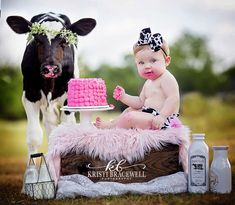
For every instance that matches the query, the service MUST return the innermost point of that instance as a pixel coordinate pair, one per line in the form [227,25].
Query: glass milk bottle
[198,159]
[30,176]
[43,174]
[220,173]
[47,186]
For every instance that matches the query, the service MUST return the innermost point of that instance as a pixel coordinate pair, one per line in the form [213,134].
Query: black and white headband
[155,41]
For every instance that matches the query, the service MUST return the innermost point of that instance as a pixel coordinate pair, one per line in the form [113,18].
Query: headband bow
[155,41]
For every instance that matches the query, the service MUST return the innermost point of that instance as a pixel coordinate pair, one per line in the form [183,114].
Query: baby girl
[157,106]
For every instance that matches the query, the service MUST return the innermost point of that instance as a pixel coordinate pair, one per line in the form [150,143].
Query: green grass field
[211,116]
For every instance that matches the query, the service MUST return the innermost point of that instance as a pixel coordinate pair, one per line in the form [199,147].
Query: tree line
[192,64]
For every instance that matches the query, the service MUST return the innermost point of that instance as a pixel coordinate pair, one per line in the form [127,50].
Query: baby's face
[151,65]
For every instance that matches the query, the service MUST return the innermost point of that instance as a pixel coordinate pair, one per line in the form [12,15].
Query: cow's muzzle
[51,71]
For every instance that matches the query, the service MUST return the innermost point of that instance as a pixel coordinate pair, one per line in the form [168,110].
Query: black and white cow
[48,64]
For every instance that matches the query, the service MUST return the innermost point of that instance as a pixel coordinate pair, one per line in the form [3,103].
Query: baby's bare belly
[156,103]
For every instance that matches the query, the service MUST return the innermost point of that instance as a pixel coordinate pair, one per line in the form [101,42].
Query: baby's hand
[118,92]
[158,122]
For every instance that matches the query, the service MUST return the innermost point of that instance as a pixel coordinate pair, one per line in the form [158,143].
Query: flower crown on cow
[37,28]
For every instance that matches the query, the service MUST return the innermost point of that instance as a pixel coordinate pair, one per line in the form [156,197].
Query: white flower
[37,28]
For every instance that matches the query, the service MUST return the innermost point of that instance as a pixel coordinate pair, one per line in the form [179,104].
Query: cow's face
[51,46]
[50,53]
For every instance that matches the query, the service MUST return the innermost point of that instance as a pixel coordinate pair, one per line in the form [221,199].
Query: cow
[47,66]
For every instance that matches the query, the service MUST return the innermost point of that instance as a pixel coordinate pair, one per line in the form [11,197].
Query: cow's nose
[49,69]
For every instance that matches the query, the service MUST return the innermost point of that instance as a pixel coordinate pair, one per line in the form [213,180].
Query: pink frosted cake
[83,92]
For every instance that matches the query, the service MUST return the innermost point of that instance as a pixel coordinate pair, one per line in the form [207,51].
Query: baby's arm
[170,88]
[135,102]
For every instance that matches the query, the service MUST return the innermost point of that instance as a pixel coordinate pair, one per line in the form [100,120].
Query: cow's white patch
[53,15]
[51,112]
[76,68]
[66,117]
[52,25]
[34,130]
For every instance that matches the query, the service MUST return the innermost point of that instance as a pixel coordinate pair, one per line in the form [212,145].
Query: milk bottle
[220,172]
[198,160]
[45,180]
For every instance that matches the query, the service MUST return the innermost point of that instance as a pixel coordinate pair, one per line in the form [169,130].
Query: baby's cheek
[142,75]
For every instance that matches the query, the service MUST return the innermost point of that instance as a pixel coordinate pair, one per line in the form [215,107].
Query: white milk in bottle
[45,179]
[198,159]
[220,172]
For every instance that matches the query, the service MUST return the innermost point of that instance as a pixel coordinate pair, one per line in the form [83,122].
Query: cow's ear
[83,26]
[18,24]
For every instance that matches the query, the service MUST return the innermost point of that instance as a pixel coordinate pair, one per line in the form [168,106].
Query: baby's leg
[135,119]
[99,123]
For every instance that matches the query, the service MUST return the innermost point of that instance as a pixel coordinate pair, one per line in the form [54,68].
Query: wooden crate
[158,163]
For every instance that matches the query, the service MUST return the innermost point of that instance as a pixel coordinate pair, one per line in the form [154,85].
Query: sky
[119,23]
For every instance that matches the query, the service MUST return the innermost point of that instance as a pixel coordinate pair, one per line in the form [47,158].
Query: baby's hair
[137,48]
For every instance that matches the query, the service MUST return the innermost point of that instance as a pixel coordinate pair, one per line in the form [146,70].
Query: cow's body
[47,66]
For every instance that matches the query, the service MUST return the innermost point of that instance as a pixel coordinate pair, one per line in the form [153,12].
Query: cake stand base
[86,113]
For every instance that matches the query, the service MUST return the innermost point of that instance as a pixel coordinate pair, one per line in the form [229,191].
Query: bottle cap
[221,147]
[198,136]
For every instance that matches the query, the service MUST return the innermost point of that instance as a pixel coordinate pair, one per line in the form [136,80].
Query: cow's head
[51,43]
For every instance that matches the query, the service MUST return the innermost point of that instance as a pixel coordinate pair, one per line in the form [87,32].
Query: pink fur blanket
[109,144]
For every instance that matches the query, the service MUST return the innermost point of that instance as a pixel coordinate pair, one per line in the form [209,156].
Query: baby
[157,106]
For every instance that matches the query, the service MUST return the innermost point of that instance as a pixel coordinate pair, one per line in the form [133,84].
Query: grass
[211,116]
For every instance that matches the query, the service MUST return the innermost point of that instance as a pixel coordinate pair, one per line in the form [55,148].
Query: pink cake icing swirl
[87,92]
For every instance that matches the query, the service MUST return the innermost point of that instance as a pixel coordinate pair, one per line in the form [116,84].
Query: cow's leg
[34,130]
[66,116]
[50,113]
[50,119]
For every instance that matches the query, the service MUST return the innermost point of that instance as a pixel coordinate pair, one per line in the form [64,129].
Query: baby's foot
[99,123]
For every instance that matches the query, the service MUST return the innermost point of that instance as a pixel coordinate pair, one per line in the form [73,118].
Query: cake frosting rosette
[87,92]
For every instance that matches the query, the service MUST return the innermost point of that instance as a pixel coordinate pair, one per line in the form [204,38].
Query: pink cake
[86,92]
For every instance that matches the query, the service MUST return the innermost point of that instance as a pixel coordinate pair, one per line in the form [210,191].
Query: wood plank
[158,163]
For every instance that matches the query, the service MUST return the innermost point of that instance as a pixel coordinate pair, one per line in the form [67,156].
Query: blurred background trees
[192,64]
[11,92]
